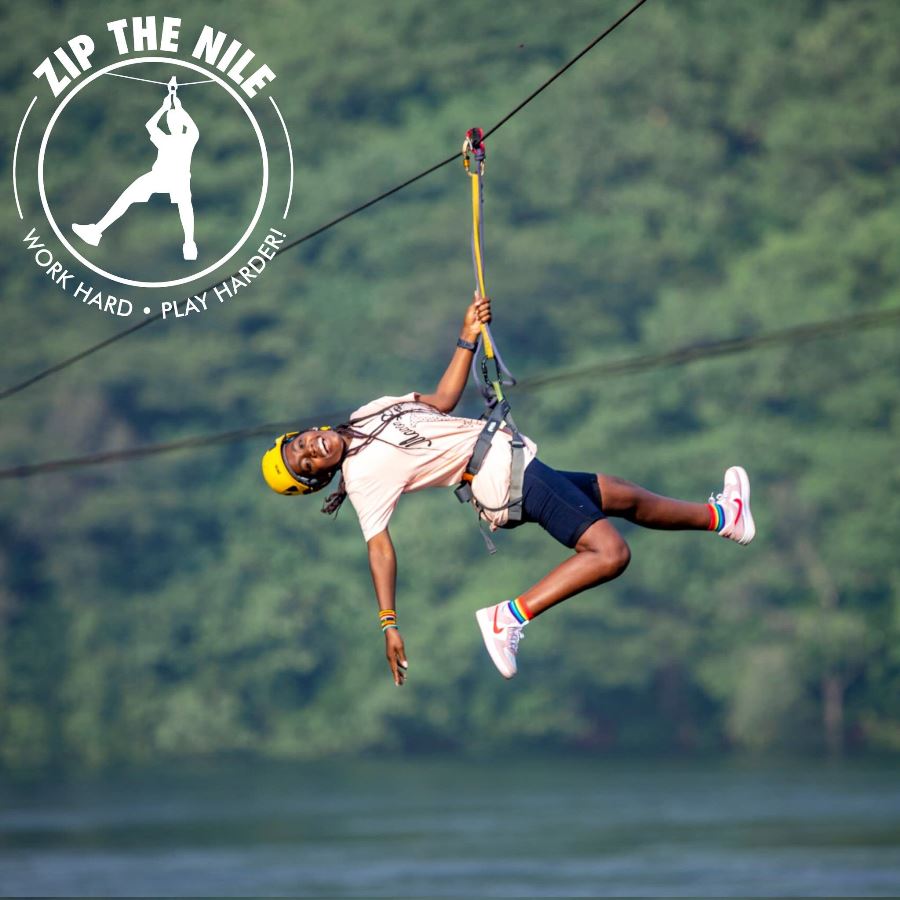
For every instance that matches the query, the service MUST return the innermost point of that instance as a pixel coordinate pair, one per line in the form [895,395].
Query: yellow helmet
[278,474]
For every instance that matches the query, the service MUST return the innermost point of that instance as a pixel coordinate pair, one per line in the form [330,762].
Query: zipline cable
[565,68]
[797,334]
[192,443]
[163,83]
[64,364]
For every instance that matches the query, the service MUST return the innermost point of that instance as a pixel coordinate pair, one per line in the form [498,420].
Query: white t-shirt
[421,448]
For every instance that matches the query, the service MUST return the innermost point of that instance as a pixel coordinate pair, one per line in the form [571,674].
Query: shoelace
[716,498]
[516,633]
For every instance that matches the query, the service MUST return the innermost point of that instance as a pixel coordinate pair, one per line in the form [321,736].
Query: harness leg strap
[516,477]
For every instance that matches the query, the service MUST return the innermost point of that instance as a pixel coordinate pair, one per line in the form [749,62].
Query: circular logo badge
[159,125]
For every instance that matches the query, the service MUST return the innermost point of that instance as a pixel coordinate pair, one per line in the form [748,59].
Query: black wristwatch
[467,345]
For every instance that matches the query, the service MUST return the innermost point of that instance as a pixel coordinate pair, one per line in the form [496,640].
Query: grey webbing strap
[500,415]
[516,477]
[482,445]
[488,542]
[516,472]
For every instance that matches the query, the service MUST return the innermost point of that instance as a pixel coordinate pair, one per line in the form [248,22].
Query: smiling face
[314,453]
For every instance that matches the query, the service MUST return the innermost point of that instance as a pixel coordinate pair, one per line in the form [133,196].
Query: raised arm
[190,127]
[152,124]
[383,566]
[453,381]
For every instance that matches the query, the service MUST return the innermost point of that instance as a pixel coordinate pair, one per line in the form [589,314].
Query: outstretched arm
[383,566]
[453,382]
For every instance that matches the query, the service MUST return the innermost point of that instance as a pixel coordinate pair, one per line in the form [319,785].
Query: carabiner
[473,145]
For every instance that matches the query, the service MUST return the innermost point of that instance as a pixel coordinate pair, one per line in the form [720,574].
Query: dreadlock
[347,429]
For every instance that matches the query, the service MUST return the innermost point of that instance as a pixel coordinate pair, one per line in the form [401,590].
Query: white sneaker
[502,632]
[90,234]
[189,250]
[735,501]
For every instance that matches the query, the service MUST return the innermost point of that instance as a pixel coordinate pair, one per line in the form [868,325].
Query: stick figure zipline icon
[170,174]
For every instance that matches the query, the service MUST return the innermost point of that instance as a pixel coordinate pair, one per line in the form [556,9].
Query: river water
[395,827]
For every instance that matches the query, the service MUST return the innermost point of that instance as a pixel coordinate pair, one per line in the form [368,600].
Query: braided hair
[347,429]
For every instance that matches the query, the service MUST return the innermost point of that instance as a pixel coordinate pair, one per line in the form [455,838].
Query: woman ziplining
[398,445]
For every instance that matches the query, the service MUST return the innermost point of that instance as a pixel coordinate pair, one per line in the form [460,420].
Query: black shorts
[565,504]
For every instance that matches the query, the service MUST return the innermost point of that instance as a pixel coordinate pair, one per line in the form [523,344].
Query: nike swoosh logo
[740,505]
[496,629]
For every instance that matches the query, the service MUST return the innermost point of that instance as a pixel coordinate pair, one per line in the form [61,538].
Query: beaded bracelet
[388,618]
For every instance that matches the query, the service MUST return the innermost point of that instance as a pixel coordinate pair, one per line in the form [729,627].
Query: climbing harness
[494,374]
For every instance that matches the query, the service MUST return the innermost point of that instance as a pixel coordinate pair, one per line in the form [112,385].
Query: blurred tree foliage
[712,169]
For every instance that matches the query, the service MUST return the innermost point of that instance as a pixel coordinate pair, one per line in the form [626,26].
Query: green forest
[713,169]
